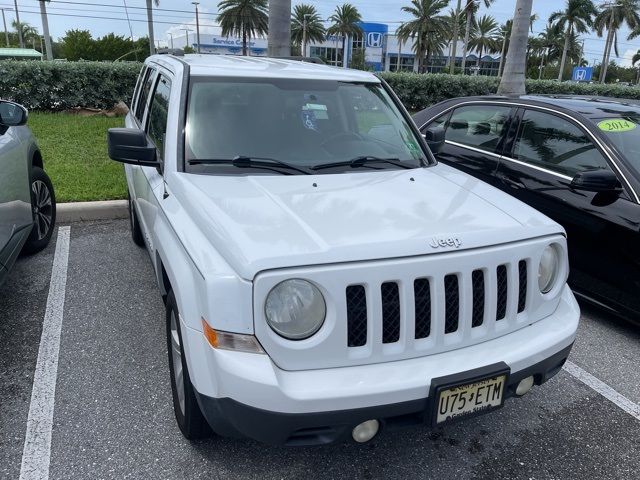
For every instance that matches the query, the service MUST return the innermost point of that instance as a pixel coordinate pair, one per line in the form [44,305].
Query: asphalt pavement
[113,416]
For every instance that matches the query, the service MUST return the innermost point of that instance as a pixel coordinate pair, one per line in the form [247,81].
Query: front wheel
[43,204]
[190,420]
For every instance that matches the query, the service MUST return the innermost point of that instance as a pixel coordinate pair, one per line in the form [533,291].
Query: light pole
[304,34]
[45,29]
[197,26]
[171,39]
[186,31]
[4,22]
[20,39]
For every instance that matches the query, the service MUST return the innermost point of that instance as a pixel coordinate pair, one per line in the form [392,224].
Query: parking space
[113,415]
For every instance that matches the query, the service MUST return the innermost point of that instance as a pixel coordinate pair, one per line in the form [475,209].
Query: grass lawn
[74,150]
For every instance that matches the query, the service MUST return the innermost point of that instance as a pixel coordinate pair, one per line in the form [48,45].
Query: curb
[86,211]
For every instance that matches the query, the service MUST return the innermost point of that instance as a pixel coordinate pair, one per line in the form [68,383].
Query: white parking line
[37,442]
[603,389]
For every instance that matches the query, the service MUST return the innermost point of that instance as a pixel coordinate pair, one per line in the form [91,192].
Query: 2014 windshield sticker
[616,125]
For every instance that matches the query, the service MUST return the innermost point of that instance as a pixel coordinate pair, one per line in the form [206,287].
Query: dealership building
[382,51]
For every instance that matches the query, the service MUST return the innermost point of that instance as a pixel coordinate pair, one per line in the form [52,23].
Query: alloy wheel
[42,208]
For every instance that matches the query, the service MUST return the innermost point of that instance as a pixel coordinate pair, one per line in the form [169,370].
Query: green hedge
[420,91]
[61,85]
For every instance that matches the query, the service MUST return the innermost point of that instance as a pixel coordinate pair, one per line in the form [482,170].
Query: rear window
[624,133]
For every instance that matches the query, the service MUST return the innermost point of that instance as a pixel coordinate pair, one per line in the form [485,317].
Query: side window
[144,94]
[554,143]
[479,126]
[158,112]
[136,90]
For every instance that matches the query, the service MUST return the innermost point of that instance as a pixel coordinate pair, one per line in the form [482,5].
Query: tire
[136,231]
[190,420]
[43,204]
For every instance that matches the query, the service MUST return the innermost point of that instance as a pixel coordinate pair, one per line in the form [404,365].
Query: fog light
[524,386]
[365,431]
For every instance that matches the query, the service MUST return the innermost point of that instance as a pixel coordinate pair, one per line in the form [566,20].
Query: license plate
[470,398]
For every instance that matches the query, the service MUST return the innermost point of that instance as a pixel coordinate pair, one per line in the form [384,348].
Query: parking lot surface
[113,416]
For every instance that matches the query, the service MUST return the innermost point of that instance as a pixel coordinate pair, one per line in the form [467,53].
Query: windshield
[311,124]
[624,132]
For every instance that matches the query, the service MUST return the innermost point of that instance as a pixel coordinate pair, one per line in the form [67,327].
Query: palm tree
[486,37]
[345,21]
[577,16]
[512,81]
[611,18]
[279,28]
[306,18]
[455,24]
[243,18]
[428,27]
[471,8]
[25,31]
[635,59]
[547,46]
[505,33]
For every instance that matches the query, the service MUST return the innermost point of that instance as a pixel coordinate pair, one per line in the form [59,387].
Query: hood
[262,222]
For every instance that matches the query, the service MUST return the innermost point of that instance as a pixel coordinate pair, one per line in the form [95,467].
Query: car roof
[266,67]
[591,107]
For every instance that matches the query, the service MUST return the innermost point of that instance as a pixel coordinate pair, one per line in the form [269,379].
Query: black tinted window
[158,113]
[144,94]
[479,126]
[557,144]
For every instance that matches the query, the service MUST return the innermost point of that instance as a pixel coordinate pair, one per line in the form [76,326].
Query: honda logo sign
[374,40]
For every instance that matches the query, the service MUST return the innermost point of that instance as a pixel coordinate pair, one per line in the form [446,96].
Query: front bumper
[231,418]
[246,394]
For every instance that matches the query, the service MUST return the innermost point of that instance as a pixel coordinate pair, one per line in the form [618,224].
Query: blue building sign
[373,43]
[582,74]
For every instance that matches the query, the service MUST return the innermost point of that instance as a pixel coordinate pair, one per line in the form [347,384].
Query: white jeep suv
[324,277]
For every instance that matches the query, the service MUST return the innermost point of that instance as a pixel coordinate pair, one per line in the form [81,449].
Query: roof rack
[300,58]
[177,52]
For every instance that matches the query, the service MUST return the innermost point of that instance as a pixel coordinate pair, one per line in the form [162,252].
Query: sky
[172,15]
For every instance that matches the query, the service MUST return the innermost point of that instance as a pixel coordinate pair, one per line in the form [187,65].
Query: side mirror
[435,139]
[603,180]
[12,114]
[130,145]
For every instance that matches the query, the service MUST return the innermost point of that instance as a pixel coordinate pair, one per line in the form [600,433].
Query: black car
[576,159]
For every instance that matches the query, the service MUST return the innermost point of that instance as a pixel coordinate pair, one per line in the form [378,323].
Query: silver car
[27,199]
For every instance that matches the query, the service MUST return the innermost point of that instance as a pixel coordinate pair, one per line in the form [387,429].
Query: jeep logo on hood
[441,242]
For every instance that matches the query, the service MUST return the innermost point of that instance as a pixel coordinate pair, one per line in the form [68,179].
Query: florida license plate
[470,398]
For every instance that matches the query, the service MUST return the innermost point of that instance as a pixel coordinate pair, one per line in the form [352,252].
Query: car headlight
[549,268]
[295,309]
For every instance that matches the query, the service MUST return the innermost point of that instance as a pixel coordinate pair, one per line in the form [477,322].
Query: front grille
[453,290]
[422,304]
[477,287]
[451,303]
[522,285]
[356,315]
[390,312]
[501,290]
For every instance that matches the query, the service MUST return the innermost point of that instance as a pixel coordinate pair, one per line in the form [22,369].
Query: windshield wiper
[361,161]
[243,161]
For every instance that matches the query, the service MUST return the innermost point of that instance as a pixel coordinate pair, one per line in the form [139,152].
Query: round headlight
[295,309]
[548,269]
